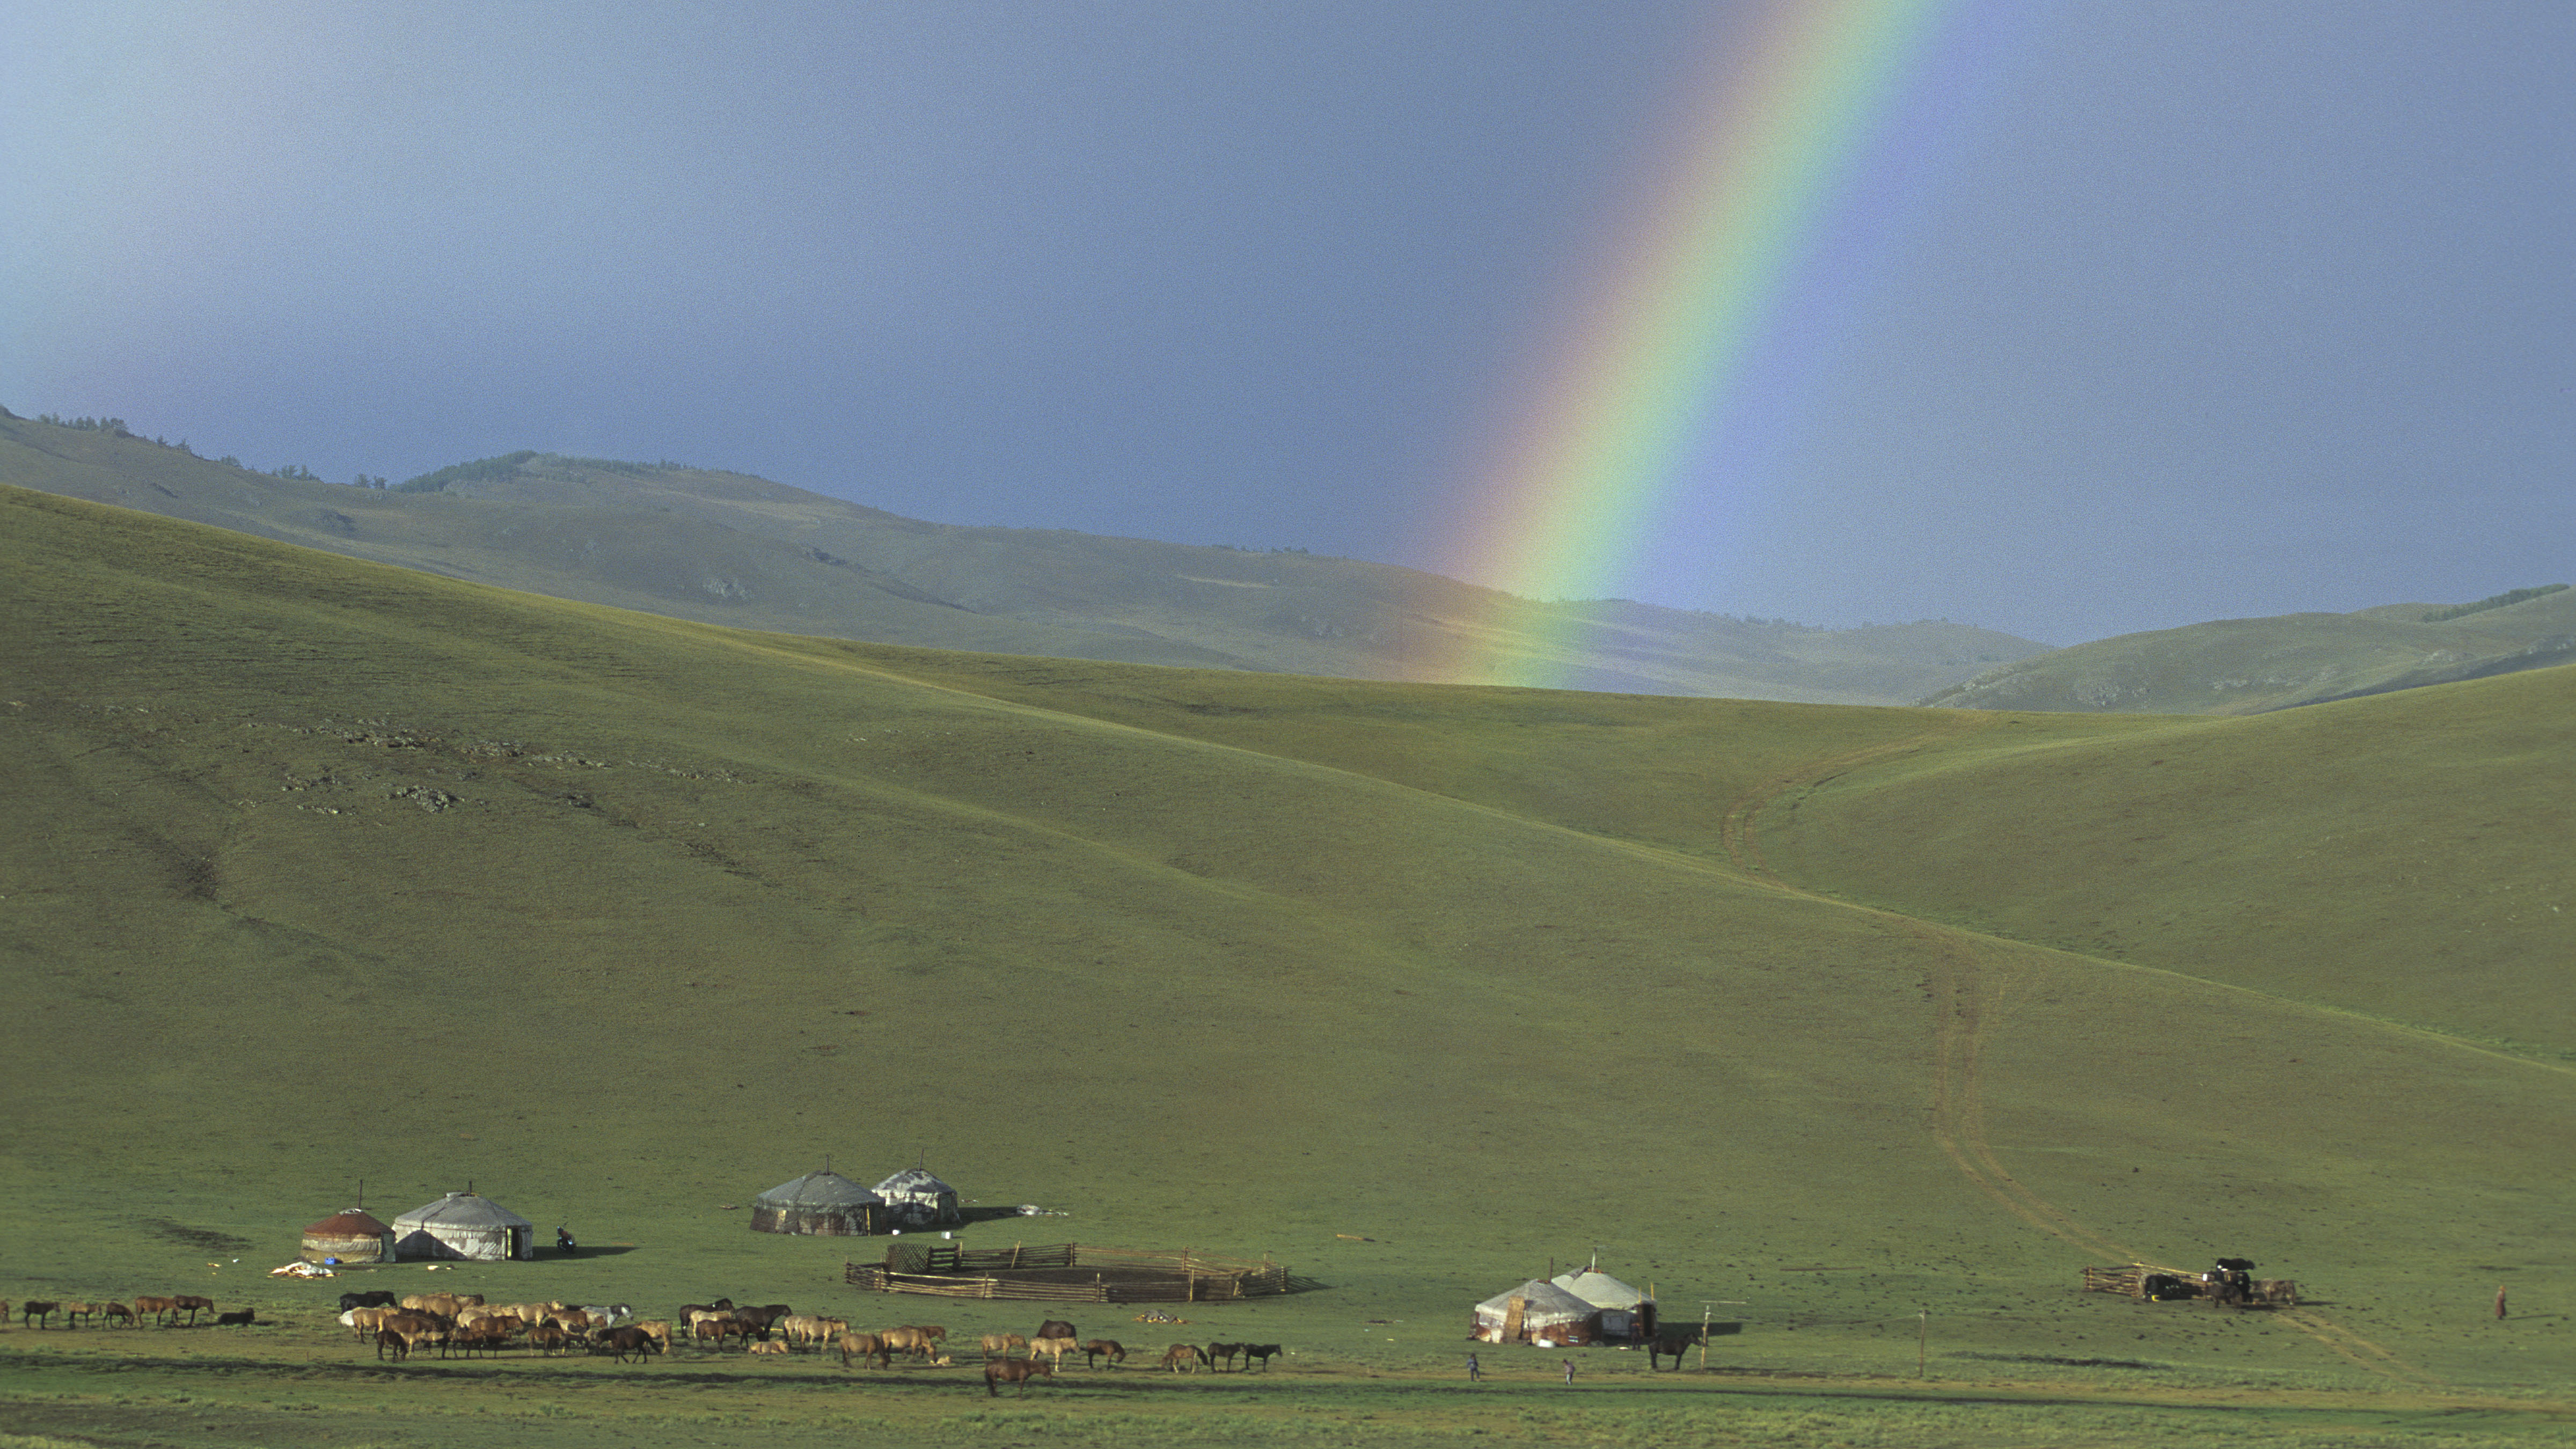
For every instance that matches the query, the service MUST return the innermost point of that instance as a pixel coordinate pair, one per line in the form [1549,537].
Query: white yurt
[919,1200]
[463,1225]
[1623,1309]
[1546,1315]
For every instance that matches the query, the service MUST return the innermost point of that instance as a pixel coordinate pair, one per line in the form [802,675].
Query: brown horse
[1014,1371]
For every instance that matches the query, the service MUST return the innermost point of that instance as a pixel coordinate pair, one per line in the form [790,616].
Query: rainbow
[1673,323]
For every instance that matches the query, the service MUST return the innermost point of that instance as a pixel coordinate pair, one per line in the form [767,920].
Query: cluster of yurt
[1585,1306]
[825,1203]
[459,1225]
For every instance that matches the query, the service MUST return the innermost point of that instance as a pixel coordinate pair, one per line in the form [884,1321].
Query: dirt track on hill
[1969,990]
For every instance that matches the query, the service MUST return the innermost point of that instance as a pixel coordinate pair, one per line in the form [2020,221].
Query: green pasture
[327,872]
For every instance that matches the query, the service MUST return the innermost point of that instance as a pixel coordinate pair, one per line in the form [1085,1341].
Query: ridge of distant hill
[320,870]
[2249,666]
[728,548]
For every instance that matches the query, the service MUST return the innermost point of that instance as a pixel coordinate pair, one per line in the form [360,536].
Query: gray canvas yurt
[1625,1313]
[462,1225]
[1536,1312]
[350,1237]
[918,1200]
[819,1202]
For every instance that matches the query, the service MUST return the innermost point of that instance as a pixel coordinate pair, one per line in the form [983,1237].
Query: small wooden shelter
[349,1237]
[464,1225]
[823,1203]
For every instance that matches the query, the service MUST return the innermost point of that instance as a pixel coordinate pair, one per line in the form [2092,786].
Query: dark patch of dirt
[204,1240]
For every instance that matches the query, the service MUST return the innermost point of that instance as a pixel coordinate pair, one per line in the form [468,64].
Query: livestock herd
[161,1310]
[463,1323]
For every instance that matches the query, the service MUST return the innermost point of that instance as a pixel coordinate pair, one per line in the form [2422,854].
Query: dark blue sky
[2173,311]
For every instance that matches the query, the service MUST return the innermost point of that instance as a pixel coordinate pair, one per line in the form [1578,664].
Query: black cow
[379,1298]
[242,1319]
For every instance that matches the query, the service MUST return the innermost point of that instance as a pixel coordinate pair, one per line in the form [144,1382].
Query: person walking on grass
[1475,1373]
[1569,1373]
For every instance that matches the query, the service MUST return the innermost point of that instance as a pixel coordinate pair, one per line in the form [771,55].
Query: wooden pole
[1703,1333]
[1923,1342]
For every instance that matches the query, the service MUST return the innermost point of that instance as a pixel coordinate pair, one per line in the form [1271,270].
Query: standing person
[2500,1300]
[1569,1371]
[1475,1373]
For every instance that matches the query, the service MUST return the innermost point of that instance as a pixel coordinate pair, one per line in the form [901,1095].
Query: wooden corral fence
[2131,1281]
[1068,1273]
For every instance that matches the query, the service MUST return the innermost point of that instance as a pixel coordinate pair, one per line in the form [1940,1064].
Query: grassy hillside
[328,871]
[2247,666]
[2402,856]
[730,549]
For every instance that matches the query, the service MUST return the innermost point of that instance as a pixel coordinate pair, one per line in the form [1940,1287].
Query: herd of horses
[455,1323]
[161,1310]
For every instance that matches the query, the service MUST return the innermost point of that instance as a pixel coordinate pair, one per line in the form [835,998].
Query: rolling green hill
[2247,666]
[729,549]
[322,870]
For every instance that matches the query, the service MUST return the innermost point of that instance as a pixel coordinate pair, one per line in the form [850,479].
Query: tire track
[1969,990]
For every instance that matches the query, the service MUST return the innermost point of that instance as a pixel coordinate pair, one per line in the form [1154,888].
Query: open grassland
[324,871]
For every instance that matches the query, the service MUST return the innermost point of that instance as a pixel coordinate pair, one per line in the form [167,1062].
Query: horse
[1672,1341]
[1014,1371]
[1100,1348]
[1262,1351]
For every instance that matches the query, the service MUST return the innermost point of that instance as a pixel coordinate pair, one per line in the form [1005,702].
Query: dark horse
[1672,1341]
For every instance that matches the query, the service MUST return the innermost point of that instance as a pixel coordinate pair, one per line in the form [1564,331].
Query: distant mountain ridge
[734,549]
[2250,666]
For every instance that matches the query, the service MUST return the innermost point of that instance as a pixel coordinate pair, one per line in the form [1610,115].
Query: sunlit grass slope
[2405,856]
[321,870]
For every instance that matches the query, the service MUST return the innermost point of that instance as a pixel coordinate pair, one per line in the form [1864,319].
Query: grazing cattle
[1183,1357]
[378,1298]
[73,1313]
[1013,1371]
[770,1346]
[242,1319]
[36,1311]
[1100,1348]
[112,1312]
[193,1304]
[1054,1328]
[1262,1351]
[157,1307]
[414,1328]
[392,1344]
[998,1344]
[1222,1353]
[2278,1292]
[864,1346]
[630,1339]
[2227,1289]
[1053,1348]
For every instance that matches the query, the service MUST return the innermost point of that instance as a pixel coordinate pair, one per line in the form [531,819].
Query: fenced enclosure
[1067,1273]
